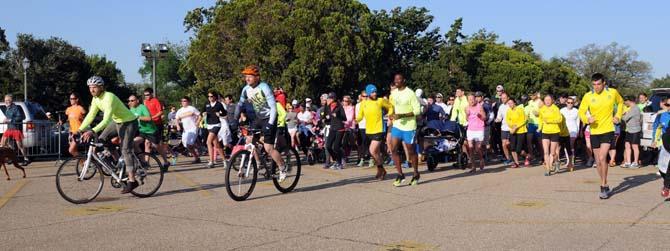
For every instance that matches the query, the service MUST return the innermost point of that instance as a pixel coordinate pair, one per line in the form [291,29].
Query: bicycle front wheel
[241,175]
[72,187]
[149,175]
[292,171]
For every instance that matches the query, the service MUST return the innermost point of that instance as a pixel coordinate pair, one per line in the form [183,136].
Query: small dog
[9,154]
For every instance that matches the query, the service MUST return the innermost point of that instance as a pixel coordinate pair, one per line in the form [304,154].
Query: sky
[116,29]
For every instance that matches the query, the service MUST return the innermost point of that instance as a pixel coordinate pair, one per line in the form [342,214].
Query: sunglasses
[210,96]
[667,104]
[73,98]
[132,100]
[184,101]
[570,103]
[364,96]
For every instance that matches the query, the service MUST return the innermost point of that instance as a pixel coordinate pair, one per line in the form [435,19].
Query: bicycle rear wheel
[293,169]
[74,189]
[148,173]
[241,175]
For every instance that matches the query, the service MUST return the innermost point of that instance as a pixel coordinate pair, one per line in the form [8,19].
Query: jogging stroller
[443,139]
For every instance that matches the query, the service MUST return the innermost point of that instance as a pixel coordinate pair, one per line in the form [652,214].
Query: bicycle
[77,175]
[242,171]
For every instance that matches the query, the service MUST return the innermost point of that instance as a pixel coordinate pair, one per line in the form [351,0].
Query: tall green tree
[307,47]
[663,82]
[620,64]
[173,76]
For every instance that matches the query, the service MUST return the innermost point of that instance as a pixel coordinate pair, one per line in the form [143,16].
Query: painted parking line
[189,182]
[10,194]
[566,222]
[93,210]
[529,204]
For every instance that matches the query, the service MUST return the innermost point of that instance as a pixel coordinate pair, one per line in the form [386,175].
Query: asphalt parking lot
[499,208]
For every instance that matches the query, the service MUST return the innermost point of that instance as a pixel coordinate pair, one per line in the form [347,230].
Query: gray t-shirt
[633,120]
[291,120]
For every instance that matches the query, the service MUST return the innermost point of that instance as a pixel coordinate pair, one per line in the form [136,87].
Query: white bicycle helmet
[95,80]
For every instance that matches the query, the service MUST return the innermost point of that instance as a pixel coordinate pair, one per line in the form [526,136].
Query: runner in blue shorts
[406,108]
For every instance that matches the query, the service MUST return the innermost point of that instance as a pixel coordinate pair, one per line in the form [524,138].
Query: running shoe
[165,166]
[360,163]
[589,163]
[515,165]
[336,166]
[625,165]
[210,165]
[634,166]
[604,193]
[371,163]
[557,167]
[196,161]
[665,192]
[130,186]
[405,164]
[547,173]
[414,181]
[399,180]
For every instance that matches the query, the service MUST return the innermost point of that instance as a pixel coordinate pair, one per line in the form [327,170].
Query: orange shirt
[75,115]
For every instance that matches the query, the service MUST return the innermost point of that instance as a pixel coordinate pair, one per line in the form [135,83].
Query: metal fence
[40,138]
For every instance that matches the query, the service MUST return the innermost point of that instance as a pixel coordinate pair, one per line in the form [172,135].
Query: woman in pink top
[348,141]
[475,134]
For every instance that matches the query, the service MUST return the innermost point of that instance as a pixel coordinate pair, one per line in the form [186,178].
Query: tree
[485,36]
[663,82]
[307,47]
[114,79]
[619,64]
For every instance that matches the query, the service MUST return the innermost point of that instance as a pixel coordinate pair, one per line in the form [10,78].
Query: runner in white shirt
[188,116]
[571,117]
[504,127]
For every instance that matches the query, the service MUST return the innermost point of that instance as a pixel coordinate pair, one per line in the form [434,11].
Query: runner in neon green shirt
[406,108]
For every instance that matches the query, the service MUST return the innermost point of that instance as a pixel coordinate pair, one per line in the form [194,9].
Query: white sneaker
[282,176]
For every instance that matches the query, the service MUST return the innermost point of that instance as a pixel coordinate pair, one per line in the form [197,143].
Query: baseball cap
[324,96]
[478,94]
[294,102]
[438,95]
[308,100]
[500,88]
[370,88]
[332,95]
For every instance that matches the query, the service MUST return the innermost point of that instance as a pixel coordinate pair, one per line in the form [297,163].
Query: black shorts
[518,142]
[605,138]
[505,135]
[553,137]
[150,137]
[159,132]
[215,130]
[376,137]
[268,130]
[565,143]
[633,138]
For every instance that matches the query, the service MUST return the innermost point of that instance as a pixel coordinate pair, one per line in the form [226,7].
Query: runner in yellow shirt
[406,108]
[516,120]
[371,110]
[549,120]
[600,104]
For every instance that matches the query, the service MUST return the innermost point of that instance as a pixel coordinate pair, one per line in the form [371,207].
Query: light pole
[25,63]
[159,51]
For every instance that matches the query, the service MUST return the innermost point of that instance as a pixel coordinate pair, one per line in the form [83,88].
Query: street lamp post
[25,63]
[159,51]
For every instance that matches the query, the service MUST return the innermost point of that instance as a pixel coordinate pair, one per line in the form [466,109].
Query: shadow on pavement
[634,181]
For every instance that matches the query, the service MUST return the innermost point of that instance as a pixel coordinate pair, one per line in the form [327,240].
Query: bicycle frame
[91,156]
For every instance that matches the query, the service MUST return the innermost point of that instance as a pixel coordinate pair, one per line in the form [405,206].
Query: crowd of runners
[383,128]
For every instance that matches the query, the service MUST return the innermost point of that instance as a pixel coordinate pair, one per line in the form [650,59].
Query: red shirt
[154,107]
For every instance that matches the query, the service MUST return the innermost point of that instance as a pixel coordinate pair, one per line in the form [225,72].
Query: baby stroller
[441,139]
[312,143]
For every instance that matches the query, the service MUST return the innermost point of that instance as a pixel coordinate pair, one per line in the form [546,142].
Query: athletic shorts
[159,132]
[150,137]
[633,138]
[269,130]
[13,134]
[505,135]
[407,137]
[487,134]
[553,137]
[376,137]
[477,136]
[565,143]
[188,138]
[605,138]
[214,130]
[532,128]
[518,142]
[224,134]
